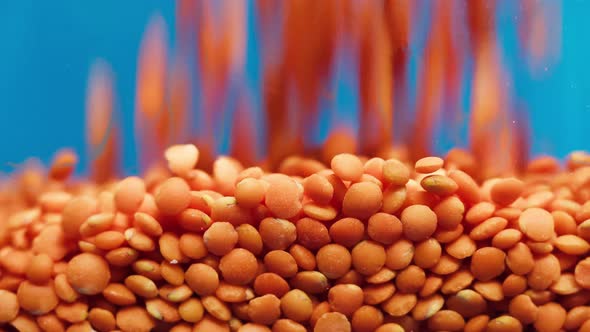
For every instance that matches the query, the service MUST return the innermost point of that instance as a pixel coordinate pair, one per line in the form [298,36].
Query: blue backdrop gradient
[47,48]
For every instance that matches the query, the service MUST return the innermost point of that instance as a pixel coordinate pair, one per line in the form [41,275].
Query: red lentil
[362,200]
[419,222]
[129,194]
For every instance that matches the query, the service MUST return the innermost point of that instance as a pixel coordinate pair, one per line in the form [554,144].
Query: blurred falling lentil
[362,233]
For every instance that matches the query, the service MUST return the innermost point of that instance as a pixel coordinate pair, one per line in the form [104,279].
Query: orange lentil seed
[537,224]
[76,312]
[368,257]
[506,239]
[333,260]
[147,268]
[399,304]
[10,306]
[432,284]
[366,318]
[64,290]
[467,302]
[375,294]
[332,321]
[513,285]
[427,253]
[296,305]
[545,272]
[24,322]
[175,294]
[449,212]
[312,282]
[88,274]
[270,283]
[141,286]
[428,165]
[505,191]
[281,263]
[40,269]
[347,231]
[318,188]
[399,255]
[101,319]
[347,167]
[395,172]
[362,200]
[191,310]
[233,293]
[576,317]
[488,228]
[439,184]
[129,194]
[572,245]
[390,327]
[134,318]
[192,246]
[487,263]
[121,257]
[194,220]
[181,158]
[411,279]
[419,222]
[75,213]
[304,257]
[456,282]
[147,224]
[311,233]
[248,238]
[220,238]
[216,308]
[384,228]
[277,234]
[202,279]
[490,290]
[522,308]
[446,320]
[265,309]
[109,240]
[37,299]
[446,265]
[461,248]
[173,196]
[119,294]
[239,266]
[519,259]
[504,323]
[50,322]
[282,197]
[551,317]
[427,307]
[447,236]
[345,298]
[582,273]
[468,189]
[162,310]
[97,223]
[394,198]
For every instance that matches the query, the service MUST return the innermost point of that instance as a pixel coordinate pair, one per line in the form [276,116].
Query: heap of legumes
[358,245]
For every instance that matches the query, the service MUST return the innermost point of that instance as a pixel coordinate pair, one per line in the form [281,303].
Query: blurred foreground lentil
[362,245]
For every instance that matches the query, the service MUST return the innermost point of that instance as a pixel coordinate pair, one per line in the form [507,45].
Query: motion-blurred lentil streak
[362,233]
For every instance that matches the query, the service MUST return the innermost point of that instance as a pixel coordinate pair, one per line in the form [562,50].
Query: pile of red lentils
[360,245]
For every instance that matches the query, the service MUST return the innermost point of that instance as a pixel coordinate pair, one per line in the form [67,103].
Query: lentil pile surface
[358,245]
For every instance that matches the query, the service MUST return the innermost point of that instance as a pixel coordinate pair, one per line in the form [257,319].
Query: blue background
[47,47]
